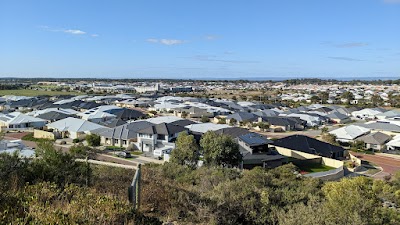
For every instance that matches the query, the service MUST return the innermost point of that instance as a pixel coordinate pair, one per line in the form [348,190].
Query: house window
[116,141]
[124,142]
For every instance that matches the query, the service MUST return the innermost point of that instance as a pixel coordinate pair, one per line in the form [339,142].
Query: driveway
[389,165]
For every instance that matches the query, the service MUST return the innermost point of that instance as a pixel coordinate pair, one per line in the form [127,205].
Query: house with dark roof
[241,117]
[311,146]
[338,118]
[256,151]
[279,123]
[158,136]
[126,114]
[53,116]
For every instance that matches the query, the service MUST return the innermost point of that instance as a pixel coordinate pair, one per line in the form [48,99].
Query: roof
[126,114]
[183,122]
[112,122]
[259,158]
[74,125]
[242,116]
[162,128]
[204,127]
[380,125]
[126,131]
[377,138]
[254,139]
[234,132]
[350,132]
[164,119]
[337,115]
[18,118]
[53,116]
[308,145]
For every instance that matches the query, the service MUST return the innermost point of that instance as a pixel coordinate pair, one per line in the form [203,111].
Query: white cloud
[211,37]
[78,32]
[166,41]
[67,31]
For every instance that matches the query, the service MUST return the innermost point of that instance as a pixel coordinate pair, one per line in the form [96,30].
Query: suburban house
[126,114]
[122,136]
[158,136]
[375,141]
[201,128]
[192,112]
[349,133]
[241,117]
[280,123]
[311,146]
[256,151]
[20,121]
[72,127]
[98,114]
[53,116]
[12,146]
[367,113]
[338,118]
[394,145]
[388,114]
[382,126]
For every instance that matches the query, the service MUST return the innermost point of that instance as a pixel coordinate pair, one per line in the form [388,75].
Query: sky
[200,39]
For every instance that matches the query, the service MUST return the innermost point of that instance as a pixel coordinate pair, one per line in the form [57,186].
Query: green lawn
[314,168]
[28,92]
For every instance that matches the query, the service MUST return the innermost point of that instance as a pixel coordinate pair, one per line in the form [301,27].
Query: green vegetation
[186,151]
[115,148]
[93,140]
[52,189]
[29,92]
[314,168]
[217,195]
[220,150]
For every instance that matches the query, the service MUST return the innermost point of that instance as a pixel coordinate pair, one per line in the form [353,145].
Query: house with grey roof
[158,136]
[349,133]
[375,141]
[338,118]
[122,136]
[20,121]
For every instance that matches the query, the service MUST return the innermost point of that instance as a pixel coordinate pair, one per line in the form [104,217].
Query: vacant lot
[27,92]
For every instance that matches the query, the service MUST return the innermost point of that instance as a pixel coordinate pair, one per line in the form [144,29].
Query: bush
[93,140]
[76,140]
[63,142]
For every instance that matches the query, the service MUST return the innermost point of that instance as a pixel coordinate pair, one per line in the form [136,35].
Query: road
[390,165]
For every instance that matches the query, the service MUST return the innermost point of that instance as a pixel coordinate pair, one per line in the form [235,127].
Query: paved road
[389,165]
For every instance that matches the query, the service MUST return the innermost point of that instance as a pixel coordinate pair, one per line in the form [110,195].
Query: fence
[134,189]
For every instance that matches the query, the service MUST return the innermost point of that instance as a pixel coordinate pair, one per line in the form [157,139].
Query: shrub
[76,140]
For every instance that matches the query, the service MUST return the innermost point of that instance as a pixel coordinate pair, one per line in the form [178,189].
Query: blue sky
[200,39]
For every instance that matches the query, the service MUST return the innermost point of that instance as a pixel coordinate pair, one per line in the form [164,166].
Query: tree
[93,140]
[204,119]
[221,120]
[56,166]
[376,100]
[324,96]
[184,114]
[324,130]
[348,96]
[220,150]
[315,99]
[232,121]
[262,125]
[86,152]
[186,151]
